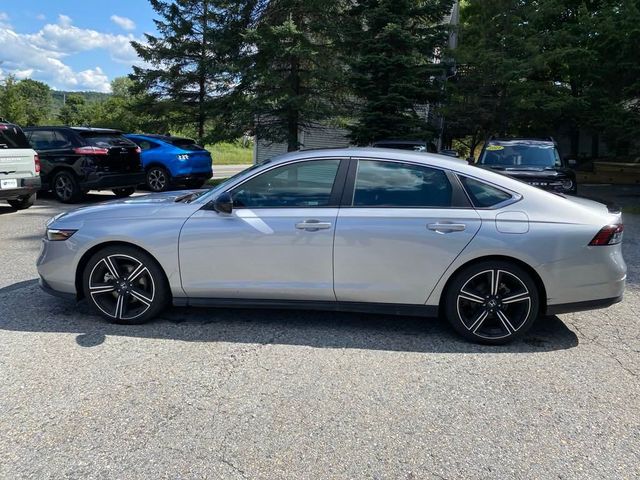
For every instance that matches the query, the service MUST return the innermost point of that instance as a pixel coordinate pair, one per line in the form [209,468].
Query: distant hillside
[90,97]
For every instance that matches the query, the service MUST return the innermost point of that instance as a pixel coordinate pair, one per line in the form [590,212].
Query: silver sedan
[374,230]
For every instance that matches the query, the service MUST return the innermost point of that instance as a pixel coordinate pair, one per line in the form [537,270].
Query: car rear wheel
[23,203]
[492,302]
[66,187]
[123,192]
[158,179]
[125,285]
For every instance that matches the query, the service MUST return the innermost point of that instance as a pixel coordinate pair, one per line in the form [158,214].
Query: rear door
[399,228]
[122,155]
[54,149]
[16,157]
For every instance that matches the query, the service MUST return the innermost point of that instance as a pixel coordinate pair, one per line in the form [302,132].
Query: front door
[278,242]
[400,228]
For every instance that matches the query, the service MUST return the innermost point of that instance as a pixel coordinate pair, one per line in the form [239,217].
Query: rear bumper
[26,187]
[194,176]
[97,181]
[582,306]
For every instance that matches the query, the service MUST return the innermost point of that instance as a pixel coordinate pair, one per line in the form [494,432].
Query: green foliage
[37,97]
[74,111]
[231,153]
[536,67]
[192,59]
[292,80]
[389,47]
[13,106]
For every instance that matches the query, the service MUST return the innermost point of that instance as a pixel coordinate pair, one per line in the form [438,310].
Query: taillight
[36,161]
[91,151]
[138,150]
[609,235]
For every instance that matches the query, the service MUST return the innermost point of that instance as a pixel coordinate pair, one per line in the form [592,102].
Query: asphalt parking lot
[291,394]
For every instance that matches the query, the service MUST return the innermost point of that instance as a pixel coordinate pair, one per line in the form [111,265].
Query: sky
[78,45]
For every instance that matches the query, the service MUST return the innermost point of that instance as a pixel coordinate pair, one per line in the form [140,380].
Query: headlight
[55,235]
[183,157]
[567,184]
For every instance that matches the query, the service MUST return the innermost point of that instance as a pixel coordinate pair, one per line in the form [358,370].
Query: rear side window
[391,184]
[48,140]
[483,195]
[106,140]
[12,137]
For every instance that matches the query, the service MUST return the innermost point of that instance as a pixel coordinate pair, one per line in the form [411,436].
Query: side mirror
[223,203]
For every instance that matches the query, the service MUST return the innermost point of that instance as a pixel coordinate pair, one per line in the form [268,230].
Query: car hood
[145,206]
[530,172]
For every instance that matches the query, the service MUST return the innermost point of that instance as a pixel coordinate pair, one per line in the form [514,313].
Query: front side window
[303,184]
[391,184]
[483,195]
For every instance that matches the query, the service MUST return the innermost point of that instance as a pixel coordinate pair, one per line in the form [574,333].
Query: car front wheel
[125,285]
[492,302]
[123,192]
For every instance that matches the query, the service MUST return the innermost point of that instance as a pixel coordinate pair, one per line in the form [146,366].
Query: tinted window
[42,139]
[483,195]
[304,184]
[105,140]
[146,144]
[513,154]
[185,144]
[12,137]
[390,184]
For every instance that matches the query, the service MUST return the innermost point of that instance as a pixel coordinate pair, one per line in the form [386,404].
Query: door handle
[313,225]
[447,227]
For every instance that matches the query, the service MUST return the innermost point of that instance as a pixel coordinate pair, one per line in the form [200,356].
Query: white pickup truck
[19,168]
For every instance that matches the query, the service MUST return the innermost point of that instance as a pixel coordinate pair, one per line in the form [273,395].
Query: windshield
[509,154]
[106,140]
[222,187]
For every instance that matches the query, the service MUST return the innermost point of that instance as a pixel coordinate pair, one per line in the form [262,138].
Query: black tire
[158,179]
[123,192]
[66,188]
[125,285]
[23,203]
[487,317]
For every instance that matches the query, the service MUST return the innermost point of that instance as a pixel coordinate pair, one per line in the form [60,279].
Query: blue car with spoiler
[173,161]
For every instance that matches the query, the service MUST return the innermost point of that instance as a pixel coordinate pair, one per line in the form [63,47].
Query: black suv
[76,160]
[536,162]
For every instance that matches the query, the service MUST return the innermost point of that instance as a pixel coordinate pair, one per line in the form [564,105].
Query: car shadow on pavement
[37,312]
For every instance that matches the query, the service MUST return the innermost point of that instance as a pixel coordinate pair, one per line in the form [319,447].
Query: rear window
[483,195]
[185,144]
[106,140]
[12,137]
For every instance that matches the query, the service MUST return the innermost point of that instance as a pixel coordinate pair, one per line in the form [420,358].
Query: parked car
[76,160]
[346,229]
[19,168]
[171,161]
[536,162]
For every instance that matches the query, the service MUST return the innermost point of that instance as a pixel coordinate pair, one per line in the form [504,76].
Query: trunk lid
[17,158]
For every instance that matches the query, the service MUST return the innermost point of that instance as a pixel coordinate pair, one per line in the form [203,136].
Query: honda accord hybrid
[374,230]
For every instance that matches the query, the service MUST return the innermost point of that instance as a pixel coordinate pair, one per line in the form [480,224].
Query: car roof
[521,141]
[400,142]
[155,136]
[76,129]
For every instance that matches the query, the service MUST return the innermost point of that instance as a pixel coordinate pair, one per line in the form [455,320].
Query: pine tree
[192,58]
[292,78]
[389,47]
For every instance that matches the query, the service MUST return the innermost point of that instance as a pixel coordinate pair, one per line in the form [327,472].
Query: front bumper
[26,187]
[56,293]
[107,181]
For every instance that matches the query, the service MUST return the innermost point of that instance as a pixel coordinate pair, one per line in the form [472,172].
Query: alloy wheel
[64,187]
[157,180]
[494,304]
[122,287]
